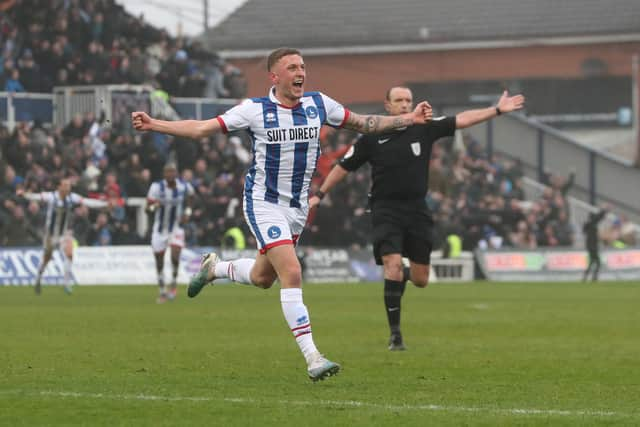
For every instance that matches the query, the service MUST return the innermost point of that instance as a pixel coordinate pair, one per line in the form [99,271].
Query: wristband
[498,112]
[320,194]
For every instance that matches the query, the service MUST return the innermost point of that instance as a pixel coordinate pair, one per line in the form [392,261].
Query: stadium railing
[25,107]
[201,108]
[458,269]
[142,219]
[116,101]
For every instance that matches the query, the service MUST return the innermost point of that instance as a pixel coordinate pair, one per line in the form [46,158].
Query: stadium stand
[477,197]
[47,43]
[59,43]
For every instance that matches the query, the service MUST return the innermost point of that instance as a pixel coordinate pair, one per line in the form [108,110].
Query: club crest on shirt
[274,232]
[415,147]
[311,111]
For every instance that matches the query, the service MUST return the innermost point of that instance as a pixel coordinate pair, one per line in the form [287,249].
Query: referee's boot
[395,342]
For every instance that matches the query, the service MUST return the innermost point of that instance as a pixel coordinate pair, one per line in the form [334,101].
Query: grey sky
[170,14]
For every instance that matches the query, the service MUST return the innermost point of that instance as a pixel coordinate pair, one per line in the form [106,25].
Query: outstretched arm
[34,197]
[194,129]
[94,203]
[380,124]
[506,104]
[336,175]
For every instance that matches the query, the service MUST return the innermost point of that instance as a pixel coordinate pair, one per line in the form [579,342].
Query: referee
[402,223]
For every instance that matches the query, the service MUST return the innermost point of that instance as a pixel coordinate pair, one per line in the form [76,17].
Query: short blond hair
[279,53]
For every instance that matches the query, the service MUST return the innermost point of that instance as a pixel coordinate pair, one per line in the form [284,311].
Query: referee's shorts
[402,227]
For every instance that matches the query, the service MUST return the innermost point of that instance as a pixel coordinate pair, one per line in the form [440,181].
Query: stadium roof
[338,26]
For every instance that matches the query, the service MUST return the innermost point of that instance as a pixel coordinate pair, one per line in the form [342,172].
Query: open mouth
[298,83]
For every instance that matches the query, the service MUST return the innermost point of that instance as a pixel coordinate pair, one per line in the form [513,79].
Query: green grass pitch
[478,354]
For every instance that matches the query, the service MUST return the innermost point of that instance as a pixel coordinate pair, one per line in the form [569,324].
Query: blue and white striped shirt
[171,204]
[286,144]
[59,210]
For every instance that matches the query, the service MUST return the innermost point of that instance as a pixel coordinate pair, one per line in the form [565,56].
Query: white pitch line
[343,403]
[387,407]
[480,306]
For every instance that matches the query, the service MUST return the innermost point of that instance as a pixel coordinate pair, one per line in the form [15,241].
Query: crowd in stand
[480,199]
[47,43]
[115,166]
[477,198]
[59,42]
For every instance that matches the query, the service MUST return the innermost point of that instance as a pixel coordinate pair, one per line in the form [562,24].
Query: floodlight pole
[205,7]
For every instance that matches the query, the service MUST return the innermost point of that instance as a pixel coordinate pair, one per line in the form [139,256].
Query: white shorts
[160,241]
[272,224]
[56,242]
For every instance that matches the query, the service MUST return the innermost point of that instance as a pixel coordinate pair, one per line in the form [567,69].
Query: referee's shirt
[399,160]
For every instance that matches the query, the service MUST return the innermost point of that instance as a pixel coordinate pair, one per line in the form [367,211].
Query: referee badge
[415,147]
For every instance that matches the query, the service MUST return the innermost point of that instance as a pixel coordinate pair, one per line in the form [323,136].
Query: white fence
[458,269]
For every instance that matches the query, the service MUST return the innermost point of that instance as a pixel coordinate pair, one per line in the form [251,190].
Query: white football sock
[67,271]
[297,316]
[161,281]
[238,270]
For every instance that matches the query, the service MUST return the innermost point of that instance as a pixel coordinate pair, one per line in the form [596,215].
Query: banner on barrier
[19,266]
[135,265]
[557,264]
[114,265]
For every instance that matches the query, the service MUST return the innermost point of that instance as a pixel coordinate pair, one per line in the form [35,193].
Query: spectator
[10,182]
[100,232]
[81,225]
[563,229]
[522,237]
[12,84]
[234,82]
[139,184]
[75,129]
[18,230]
[29,73]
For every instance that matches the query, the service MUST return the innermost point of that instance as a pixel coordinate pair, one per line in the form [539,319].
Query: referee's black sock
[393,291]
